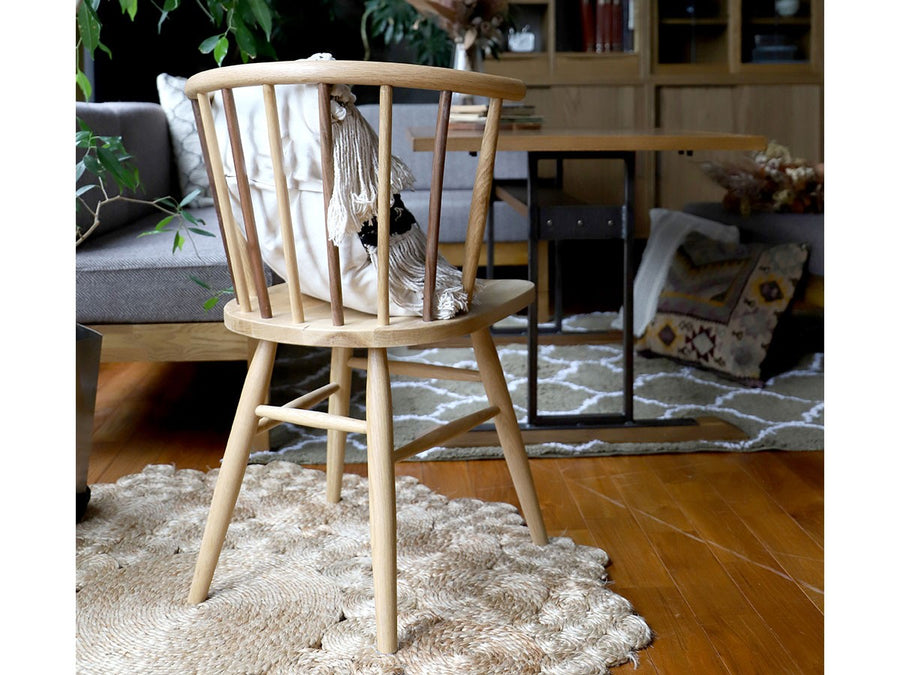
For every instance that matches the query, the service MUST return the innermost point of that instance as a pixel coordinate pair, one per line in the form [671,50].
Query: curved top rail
[355,72]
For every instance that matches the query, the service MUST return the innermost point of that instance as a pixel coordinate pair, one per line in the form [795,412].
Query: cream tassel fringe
[355,197]
[407,276]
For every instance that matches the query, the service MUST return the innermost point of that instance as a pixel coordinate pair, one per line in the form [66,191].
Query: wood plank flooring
[722,553]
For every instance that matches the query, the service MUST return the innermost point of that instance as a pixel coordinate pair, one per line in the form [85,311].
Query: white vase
[467,59]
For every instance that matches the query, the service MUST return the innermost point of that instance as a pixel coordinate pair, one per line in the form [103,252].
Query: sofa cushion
[145,135]
[184,138]
[721,303]
[122,277]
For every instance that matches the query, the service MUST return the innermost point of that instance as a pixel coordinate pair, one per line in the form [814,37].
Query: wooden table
[553,216]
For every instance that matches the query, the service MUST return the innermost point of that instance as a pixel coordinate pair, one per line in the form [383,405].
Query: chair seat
[496,299]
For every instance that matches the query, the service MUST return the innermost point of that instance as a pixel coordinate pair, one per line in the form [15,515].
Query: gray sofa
[139,294]
[778,228]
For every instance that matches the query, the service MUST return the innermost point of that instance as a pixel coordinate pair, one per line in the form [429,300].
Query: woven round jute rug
[293,589]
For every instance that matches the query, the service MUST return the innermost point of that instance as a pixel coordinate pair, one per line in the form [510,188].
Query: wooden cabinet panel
[789,114]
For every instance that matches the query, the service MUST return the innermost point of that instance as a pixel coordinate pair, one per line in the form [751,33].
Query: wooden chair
[283,314]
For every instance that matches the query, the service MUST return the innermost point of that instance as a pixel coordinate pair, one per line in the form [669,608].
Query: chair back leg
[509,432]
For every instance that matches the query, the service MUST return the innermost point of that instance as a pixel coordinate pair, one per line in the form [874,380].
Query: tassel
[355,197]
[407,276]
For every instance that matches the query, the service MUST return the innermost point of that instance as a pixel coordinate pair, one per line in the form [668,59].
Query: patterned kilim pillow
[721,303]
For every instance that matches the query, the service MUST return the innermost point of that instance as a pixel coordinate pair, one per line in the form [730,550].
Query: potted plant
[242,24]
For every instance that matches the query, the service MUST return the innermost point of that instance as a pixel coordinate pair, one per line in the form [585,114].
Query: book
[615,37]
[588,26]
[603,25]
[628,25]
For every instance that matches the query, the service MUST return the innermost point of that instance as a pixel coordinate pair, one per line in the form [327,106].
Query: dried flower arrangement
[470,22]
[771,181]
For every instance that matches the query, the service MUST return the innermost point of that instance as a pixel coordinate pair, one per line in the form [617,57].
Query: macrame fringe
[355,197]
[407,276]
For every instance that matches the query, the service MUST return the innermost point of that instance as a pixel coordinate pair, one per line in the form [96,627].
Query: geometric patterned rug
[785,414]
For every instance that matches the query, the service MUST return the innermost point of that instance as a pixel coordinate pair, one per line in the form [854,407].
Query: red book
[588,25]
[602,29]
[616,28]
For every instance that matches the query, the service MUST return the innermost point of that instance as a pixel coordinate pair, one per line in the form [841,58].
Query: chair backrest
[242,244]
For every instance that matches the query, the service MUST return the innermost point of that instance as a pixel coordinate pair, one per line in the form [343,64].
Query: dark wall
[140,52]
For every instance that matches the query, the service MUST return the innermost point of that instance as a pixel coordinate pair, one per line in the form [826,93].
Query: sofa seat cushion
[122,277]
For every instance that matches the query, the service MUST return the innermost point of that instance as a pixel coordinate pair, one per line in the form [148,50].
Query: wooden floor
[721,553]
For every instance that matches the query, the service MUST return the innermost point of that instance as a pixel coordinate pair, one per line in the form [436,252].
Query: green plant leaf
[167,202]
[178,242]
[83,138]
[263,16]
[209,304]
[84,84]
[130,7]
[84,189]
[191,218]
[197,230]
[88,26]
[209,44]
[200,282]
[121,173]
[93,165]
[160,226]
[220,50]
[244,38]
[189,198]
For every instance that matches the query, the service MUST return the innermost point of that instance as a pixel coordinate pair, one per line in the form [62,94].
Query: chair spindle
[204,148]
[257,275]
[334,260]
[273,126]
[385,124]
[481,196]
[221,188]
[434,203]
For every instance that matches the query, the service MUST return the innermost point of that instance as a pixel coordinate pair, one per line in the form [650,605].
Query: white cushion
[184,139]
[667,231]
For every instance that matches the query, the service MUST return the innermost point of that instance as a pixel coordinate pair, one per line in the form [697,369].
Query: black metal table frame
[558,222]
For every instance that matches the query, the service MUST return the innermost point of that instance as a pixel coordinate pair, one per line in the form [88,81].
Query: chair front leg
[509,432]
[382,498]
[231,474]
[338,404]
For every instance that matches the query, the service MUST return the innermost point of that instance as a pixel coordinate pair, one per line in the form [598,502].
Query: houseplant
[248,23]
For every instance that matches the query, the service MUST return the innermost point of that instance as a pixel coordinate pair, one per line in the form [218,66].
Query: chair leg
[382,496]
[231,473]
[338,404]
[509,432]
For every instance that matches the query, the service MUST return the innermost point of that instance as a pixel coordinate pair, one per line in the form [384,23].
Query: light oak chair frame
[282,314]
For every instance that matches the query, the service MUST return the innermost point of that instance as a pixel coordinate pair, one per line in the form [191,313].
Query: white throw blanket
[354,201]
[667,231]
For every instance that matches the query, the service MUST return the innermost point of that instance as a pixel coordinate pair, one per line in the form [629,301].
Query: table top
[592,140]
